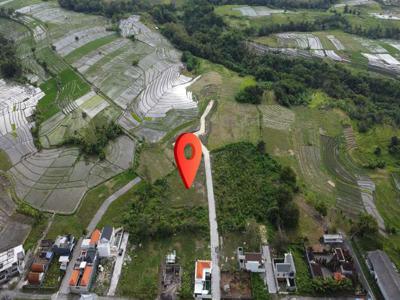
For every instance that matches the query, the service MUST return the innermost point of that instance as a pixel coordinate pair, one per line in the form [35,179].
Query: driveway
[118,266]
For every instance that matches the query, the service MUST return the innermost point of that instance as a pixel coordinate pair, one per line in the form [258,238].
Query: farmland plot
[257,11]
[277,117]
[372,46]
[338,44]
[385,16]
[17,104]
[303,40]
[383,61]
[355,190]
[76,116]
[76,39]
[354,3]
[262,49]
[24,42]
[57,179]
[348,194]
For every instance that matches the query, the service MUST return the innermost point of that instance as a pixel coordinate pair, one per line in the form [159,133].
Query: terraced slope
[56,180]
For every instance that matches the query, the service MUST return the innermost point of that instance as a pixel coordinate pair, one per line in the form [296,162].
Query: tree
[394,146]
[366,225]
[9,70]
[250,94]
[321,207]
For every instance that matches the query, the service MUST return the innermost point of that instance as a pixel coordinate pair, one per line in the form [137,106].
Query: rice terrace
[295,104]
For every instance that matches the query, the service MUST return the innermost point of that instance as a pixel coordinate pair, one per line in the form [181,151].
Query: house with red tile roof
[202,280]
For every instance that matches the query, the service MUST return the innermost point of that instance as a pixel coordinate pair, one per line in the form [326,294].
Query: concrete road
[359,270]
[64,288]
[97,217]
[269,275]
[214,237]
[118,266]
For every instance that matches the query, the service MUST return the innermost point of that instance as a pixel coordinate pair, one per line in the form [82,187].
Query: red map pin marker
[188,166]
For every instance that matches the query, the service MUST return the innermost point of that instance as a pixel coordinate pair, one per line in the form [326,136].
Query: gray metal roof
[283,267]
[106,233]
[387,277]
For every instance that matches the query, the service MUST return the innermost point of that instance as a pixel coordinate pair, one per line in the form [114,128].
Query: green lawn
[89,47]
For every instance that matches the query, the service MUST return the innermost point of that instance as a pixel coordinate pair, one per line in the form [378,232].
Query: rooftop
[94,238]
[249,256]
[388,278]
[106,233]
[201,267]
[7,258]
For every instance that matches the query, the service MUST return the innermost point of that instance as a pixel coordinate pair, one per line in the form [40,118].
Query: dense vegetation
[10,65]
[370,99]
[250,94]
[95,138]
[152,215]
[249,184]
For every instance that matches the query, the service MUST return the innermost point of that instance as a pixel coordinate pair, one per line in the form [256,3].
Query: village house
[250,261]
[385,274]
[330,260]
[84,272]
[85,267]
[41,263]
[202,280]
[11,263]
[64,245]
[285,273]
[332,238]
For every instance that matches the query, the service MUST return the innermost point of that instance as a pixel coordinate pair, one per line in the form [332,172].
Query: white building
[333,238]
[11,263]
[202,280]
[250,261]
[106,241]
[285,273]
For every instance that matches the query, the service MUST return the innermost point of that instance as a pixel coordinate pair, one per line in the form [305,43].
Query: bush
[250,94]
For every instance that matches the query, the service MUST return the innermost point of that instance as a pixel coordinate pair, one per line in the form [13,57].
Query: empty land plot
[56,180]
[232,123]
[277,117]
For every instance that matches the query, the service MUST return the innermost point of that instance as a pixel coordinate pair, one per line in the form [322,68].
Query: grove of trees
[10,65]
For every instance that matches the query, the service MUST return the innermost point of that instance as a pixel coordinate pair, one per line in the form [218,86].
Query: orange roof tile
[86,276]
[338,276]
[74,278]
[200,266]
[94,238]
